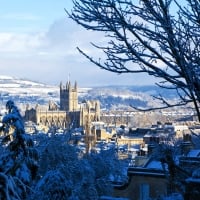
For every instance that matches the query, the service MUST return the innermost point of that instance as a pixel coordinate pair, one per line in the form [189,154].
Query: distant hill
[111,97]
[25,91]
[121,97]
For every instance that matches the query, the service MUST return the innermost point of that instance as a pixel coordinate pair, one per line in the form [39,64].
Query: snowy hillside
[111,97]
[118,98]
[25,91]
[121,97]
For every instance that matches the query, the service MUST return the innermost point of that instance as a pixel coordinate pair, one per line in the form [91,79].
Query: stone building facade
[69,114]
[143,183]
[68,97]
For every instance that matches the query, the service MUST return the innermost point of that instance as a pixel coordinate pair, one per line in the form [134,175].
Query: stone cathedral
[70,113]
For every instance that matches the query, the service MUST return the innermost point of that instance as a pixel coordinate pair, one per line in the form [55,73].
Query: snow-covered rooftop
[154,165]
[194,153]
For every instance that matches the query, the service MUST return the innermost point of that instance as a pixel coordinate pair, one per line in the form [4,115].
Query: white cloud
[52,55]
[19,43]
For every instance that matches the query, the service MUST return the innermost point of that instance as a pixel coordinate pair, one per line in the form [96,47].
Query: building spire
[75,85]
[61,85]
[68,78]
[68,85]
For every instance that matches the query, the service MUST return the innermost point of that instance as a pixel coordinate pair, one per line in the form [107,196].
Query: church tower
[68,97]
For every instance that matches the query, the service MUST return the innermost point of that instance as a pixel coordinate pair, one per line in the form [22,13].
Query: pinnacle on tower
[68,85]
[75,85]
[61,85]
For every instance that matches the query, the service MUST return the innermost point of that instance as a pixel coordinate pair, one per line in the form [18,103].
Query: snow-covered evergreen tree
[18,159]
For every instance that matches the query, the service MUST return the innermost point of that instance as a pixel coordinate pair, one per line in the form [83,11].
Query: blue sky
[38,42]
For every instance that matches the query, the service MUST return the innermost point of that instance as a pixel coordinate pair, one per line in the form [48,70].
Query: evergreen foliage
[18,159]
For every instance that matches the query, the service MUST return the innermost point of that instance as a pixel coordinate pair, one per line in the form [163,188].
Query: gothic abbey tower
[68,97]
[69,114]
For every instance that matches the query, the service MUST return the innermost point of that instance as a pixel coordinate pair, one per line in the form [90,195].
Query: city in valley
[103,119]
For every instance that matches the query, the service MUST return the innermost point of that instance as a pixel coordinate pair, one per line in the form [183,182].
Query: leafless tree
[157,37]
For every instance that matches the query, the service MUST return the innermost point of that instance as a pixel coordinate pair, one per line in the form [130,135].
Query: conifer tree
[18,160]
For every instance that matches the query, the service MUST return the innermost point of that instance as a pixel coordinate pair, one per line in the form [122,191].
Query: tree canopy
[43,166]
[157,37]
[18,159]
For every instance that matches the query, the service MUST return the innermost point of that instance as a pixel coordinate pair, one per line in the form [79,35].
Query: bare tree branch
[142,34]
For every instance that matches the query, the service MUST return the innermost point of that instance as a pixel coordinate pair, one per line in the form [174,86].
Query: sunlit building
[70,113]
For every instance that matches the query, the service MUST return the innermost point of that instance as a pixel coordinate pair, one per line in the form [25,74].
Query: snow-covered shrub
[83,176]
[106,165]
[53,186]
[61,159]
